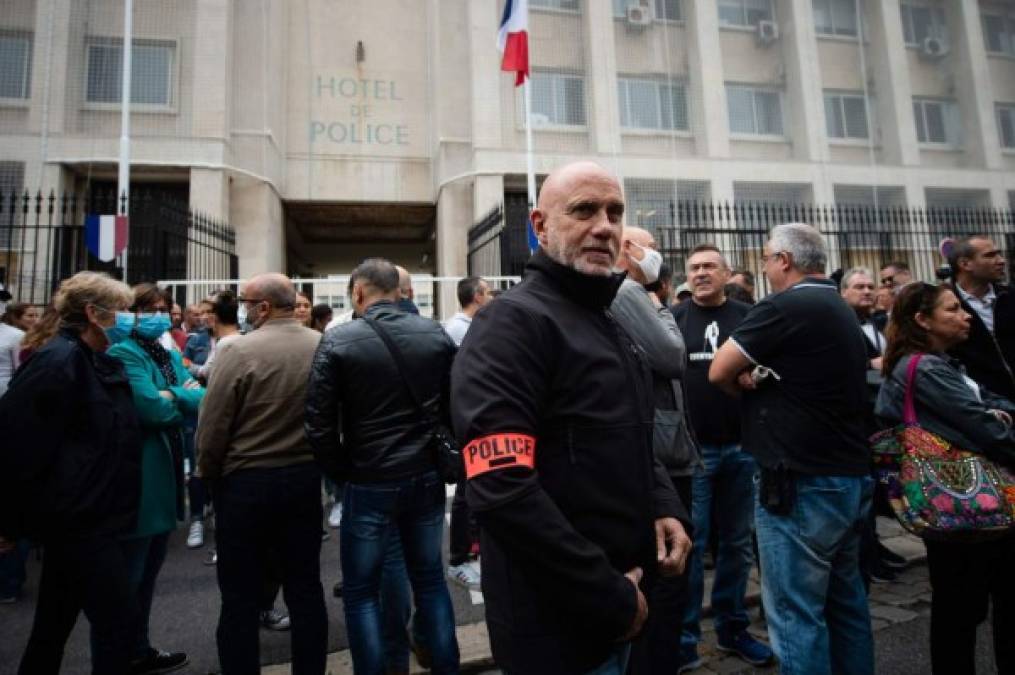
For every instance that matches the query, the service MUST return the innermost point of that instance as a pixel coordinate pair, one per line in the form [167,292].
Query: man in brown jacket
[265,484]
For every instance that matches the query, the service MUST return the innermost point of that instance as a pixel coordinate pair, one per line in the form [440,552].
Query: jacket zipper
[631,380]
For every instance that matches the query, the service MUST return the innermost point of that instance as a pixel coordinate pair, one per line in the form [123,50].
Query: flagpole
[529,159]
[123,178]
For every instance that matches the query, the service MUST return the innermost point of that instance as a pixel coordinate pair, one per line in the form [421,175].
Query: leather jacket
[360,419]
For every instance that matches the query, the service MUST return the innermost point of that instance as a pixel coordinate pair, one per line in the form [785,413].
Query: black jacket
[70,462]
[548,361]
[360,418]
[990,359]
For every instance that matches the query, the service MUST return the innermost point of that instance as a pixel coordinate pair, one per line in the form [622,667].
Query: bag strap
[908,405]
[396,354]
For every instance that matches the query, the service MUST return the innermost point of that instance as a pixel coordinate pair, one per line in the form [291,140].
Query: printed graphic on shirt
[710,343]
[499,451]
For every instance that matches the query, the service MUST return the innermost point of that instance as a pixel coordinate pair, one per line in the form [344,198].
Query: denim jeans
[257,511]
[724,485]
[818,618]
[396,606]
[371,513]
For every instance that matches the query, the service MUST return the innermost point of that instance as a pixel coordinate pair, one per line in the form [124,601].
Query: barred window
[151,76]
[1006,125]
[745,12]
[12,187]
[652,104]
[937,121]
[754,111]
[999,33]
[557,99]
[835,17]
[566,5]
[15,65]
[880,196]
[920,22]
[846,115]
[668,10]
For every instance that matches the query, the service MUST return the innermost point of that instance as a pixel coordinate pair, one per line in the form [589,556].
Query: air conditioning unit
[639,16]
[934,47]
[768,32]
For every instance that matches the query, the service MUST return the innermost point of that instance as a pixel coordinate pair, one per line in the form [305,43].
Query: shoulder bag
[446,453]
[937,490]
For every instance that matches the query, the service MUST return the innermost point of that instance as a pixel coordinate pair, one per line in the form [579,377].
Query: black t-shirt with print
[812,417]
[715,416]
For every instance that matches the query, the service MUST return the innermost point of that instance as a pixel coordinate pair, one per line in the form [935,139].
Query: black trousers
[657,650]
[83,574]
[260,512]
[963,577]
[463,528]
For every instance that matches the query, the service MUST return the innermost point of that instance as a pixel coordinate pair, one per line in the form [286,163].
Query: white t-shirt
[10,345]
[205,370]
[457,326]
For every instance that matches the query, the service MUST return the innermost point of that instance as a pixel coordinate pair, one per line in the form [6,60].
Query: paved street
[186,610]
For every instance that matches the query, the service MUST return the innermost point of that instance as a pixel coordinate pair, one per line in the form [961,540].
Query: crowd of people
[615,432]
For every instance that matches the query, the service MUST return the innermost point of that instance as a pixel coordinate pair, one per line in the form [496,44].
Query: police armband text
[498,451]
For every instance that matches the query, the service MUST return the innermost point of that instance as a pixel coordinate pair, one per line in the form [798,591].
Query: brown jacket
[252,414]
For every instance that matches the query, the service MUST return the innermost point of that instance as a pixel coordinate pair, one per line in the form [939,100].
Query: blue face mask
[151,326]
[122,326]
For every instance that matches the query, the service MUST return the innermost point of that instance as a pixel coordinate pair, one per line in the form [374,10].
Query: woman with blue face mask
[70,467]
[164,393]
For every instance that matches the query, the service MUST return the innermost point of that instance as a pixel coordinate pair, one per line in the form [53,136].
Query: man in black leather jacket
[367,431]
[553,403]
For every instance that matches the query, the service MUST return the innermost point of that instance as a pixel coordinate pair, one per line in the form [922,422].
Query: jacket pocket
[669,439]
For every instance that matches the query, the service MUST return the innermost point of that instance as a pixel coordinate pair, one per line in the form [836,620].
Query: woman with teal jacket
[163,392]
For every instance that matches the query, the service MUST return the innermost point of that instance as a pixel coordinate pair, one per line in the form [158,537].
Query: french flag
[105,236]
[513,39]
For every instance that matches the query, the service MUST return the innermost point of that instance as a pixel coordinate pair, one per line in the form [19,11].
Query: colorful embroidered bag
[936,490]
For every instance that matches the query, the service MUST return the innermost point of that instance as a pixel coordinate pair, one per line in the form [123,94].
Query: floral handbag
[937,490]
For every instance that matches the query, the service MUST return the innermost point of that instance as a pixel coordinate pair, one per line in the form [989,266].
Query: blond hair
[89,288]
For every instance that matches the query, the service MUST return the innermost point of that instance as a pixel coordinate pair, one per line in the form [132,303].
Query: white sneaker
[335,515]
[465,575]
[196,537]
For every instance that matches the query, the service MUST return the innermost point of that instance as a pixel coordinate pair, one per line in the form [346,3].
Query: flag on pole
[105,236]
[513,39]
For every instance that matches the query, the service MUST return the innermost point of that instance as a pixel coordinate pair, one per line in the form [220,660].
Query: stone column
[255,211]
[212,49]
[706,87]
[806,109]
[973,86]
[454,217]
[601,77]
[485,74]
[889,70]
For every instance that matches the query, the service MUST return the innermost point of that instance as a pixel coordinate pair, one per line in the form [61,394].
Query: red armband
[498,451]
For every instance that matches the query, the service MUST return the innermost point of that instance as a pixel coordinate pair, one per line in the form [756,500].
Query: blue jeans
[818,618]
[396,606]
[371,513]
[725,482]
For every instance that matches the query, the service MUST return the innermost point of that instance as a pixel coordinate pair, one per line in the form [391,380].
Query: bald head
[269,296]
[404,283]
[579,216]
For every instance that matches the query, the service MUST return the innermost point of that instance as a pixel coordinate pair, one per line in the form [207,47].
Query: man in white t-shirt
[473,293]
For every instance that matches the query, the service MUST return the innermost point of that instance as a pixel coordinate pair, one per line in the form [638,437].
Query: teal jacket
[161,482]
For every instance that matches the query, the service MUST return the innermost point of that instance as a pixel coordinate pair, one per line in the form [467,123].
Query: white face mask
[650,263]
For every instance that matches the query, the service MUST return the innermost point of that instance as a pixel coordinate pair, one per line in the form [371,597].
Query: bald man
[652,327]
[554,404]
[406,294]
[266,485]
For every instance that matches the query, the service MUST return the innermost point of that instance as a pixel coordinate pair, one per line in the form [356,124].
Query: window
[151,75]
[846,115]
[1006,125]
[668,10]
[754,111]
[651,104]
[835,17]
[920,22]
[880,196]
[657,205]
[12,185]
[745,12]
[15,65]
[566,5]
[557,99]
[999,33]
[937,121]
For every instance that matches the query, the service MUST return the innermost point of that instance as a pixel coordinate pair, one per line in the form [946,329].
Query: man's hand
[642,612]
[745,381]
[670,535]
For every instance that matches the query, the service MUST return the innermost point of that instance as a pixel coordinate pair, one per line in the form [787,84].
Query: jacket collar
[591,291]
[384,307]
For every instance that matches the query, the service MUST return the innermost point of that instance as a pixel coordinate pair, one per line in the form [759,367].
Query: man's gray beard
[559,254]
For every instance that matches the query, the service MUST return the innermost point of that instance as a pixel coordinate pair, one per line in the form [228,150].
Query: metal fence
[42,241]
[857,235]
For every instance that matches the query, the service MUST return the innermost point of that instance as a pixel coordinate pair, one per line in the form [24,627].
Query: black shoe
[157,661]
[889,558]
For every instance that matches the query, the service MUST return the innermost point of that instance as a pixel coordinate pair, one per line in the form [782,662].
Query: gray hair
[378,273]
[852,272]
[804,243]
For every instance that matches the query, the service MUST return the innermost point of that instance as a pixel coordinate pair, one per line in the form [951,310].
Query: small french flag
[105,236]
[513,39]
